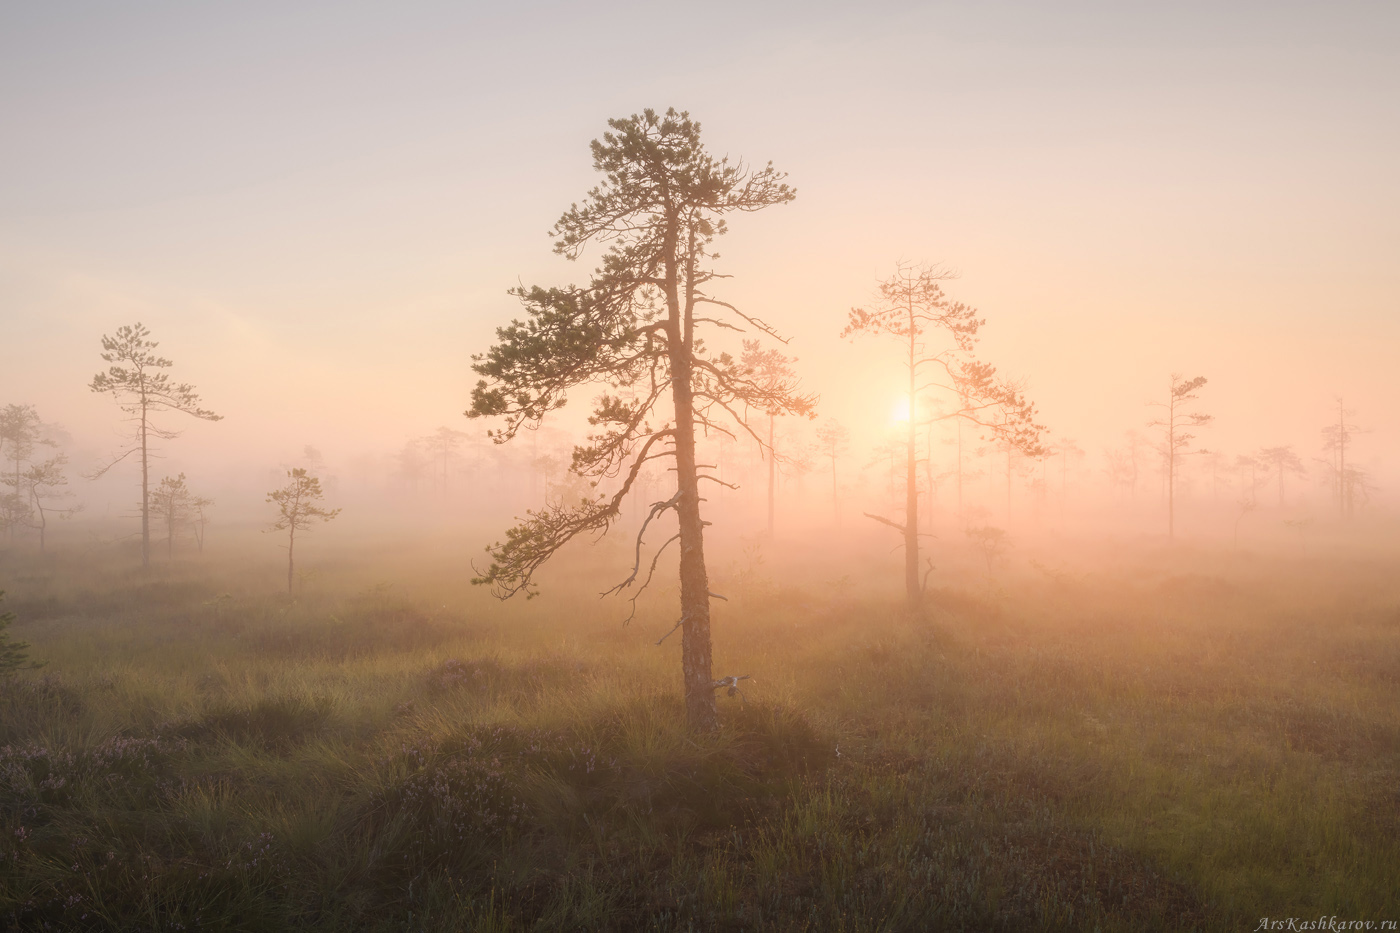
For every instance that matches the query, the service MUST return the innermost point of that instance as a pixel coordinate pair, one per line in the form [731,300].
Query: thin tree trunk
[291,543]
[43,519]
[911,530]
[960,471]
[835,494]
[1008,488]
[772,472]
[911,486]
[701,712]
[928,474]
[1171,461]
[15,523]
[1343,490]
[1064,483]
[145,489]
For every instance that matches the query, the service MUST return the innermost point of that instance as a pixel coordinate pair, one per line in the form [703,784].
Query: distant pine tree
[14,655]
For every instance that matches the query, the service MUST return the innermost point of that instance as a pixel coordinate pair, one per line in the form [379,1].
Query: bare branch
[650,572]
[756,322]
[671,632]
[657,508]
[885,521]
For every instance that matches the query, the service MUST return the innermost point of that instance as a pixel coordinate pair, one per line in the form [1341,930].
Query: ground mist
[1192,740]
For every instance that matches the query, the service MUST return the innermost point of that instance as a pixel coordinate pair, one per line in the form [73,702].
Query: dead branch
[656,509]
[650,572]
[756,322]
[885,521]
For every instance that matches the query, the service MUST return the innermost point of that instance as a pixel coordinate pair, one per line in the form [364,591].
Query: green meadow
[1183,740]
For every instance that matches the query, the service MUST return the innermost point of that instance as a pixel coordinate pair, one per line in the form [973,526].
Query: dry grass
[1189,742]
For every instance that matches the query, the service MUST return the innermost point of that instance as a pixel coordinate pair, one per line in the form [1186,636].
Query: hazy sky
[318,208]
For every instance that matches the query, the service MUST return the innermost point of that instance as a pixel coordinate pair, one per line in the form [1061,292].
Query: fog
[1025,474]
[318,217]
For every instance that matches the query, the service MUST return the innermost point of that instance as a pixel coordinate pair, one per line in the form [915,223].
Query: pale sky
[319,212]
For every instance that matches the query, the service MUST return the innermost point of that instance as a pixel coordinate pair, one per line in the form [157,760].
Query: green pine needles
[14,655]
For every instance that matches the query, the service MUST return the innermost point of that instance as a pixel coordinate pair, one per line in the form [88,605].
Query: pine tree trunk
[928,476]
[145,492]
[1008,488]
[1064,483]
[960,471]
[1343,488]
[14,524]
[701,712]
[772,474]
[1171,480]
[911,528]
[835,494]
[911,495]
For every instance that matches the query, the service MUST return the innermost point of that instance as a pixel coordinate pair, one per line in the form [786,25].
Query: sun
[900,412]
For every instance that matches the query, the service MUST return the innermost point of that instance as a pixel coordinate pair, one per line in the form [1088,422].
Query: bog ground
[1183,740]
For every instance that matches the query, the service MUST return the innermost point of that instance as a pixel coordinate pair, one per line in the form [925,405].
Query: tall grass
[1185,743]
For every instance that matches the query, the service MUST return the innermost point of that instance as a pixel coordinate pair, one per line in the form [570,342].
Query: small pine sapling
[299,508]
[141,390]
[1174,423]
[14,655]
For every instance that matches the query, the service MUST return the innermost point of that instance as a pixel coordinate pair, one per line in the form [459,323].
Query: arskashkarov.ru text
[1324,923]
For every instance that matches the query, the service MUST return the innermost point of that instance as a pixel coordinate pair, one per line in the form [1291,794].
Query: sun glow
[900,411]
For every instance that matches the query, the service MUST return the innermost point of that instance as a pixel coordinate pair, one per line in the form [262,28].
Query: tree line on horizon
[647,327]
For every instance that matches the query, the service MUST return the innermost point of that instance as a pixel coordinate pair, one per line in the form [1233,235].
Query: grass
[1193,741]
